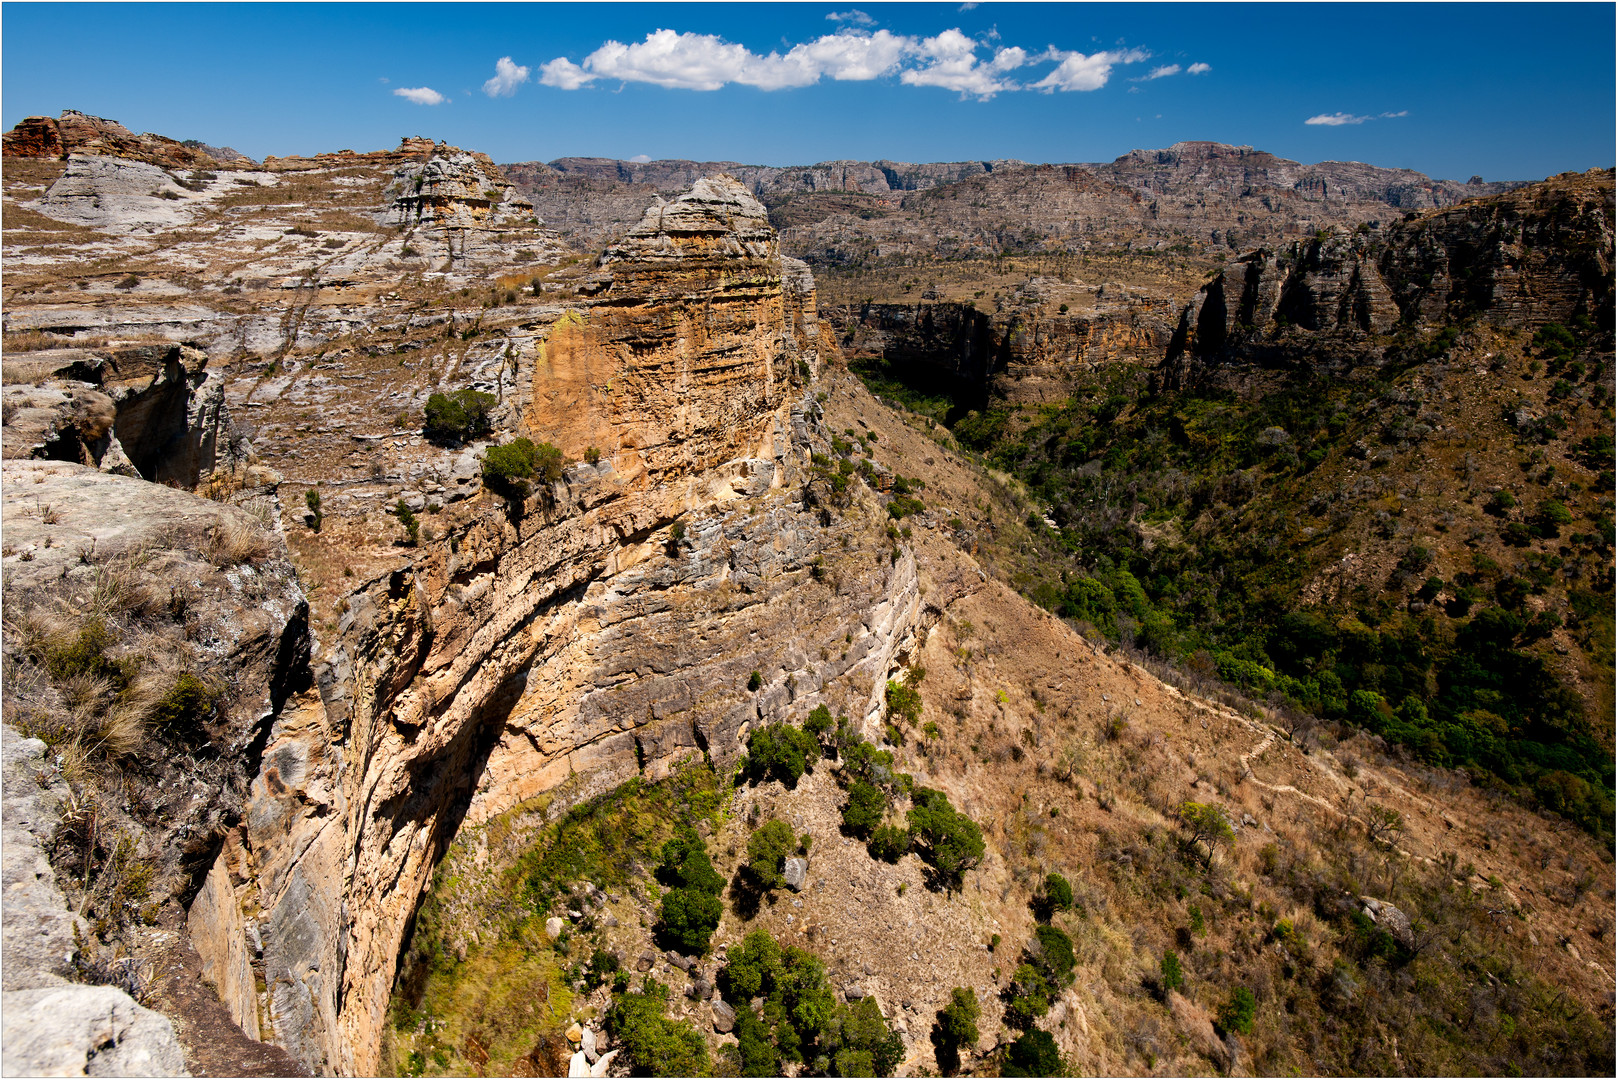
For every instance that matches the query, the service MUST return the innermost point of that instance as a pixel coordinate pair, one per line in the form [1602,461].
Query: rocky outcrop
[1033,347]
[77,133]
[152,412]
[1540,253]
[54,1027]
[562,643]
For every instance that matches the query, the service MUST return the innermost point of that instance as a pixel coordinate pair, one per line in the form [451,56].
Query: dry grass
[234,542]
[21,217]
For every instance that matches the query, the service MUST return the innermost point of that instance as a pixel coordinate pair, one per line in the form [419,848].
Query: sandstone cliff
[1539,254]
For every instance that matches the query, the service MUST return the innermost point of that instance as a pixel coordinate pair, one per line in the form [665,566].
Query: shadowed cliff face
[1538,254]
[562,643]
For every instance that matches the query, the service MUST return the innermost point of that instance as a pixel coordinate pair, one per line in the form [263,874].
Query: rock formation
[1537,254]
[76,133]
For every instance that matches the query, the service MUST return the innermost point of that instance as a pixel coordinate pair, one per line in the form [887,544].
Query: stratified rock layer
[556,644]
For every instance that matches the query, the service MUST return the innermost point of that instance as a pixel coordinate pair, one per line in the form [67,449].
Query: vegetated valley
[597,618]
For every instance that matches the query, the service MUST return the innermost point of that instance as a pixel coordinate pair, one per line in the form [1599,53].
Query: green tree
[458,416]
[818,722]
[1173,977]
[1205,825]
[1237,1013]
[510,468]
[957,1027]
[652,1042]
[688,918]
[904,701]
[866,805]
[888,843]
[860,1043]
[1033,1053]
[781,751]
[767,850]
[946,839]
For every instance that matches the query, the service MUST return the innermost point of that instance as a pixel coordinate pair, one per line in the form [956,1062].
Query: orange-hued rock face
[549,649]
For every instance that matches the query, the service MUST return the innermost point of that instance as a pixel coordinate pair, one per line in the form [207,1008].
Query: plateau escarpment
[393,745]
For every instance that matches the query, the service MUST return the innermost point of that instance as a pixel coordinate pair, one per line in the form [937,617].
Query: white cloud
[420,95]
[1080,72]
[948,60]
[1160,72]
[507,77]
[641,159]
[855,16]
[707,62]
[968,6]
[563,74]
[1199,68]
[383,79]
[953,64]
[1338,119]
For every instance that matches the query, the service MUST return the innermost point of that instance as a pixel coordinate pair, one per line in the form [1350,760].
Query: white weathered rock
[796,873]
[85,1031]
[600,1068]
[587,1043]
[554,926]
[577,1065]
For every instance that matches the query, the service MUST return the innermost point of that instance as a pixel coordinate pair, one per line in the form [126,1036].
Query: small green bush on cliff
[458,416]
[510,468]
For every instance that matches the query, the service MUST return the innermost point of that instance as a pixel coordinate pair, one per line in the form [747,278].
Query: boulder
[575,1034]
[1391,919]
[647,959]
[796,873]
[724,1017]
[553,927]
[600,1068]
[577,1065]
[681,962]
[85,1031]
[587,1043]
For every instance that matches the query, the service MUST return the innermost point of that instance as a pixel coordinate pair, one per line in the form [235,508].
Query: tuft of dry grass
[233,542]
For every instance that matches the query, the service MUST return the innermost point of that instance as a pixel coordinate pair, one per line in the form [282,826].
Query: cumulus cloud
[420,95]
[1080,72]
[1338,119]
[1199,68]
[949,60]
[641,159]
[1160,72]
[707,62]
[507,77]
[855,16]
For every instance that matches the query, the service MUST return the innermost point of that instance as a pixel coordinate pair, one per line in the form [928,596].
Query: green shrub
[509,468]
[767,851]
[946,839]
[458,416]
[1237,1013]
[1057,895]
[867,804]
[888,843]
[311,499]
[800,1015]
[1173,977]
[187,706]
[1033,1053]
[755,681]
[653,1044]
[407,518]
[781,751]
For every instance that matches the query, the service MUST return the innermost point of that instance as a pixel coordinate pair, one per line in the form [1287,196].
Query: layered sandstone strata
[562,643]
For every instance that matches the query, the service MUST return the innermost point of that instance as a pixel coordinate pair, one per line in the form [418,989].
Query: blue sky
[1505,91]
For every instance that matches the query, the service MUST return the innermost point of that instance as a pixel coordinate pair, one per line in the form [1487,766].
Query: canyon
[297,686]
